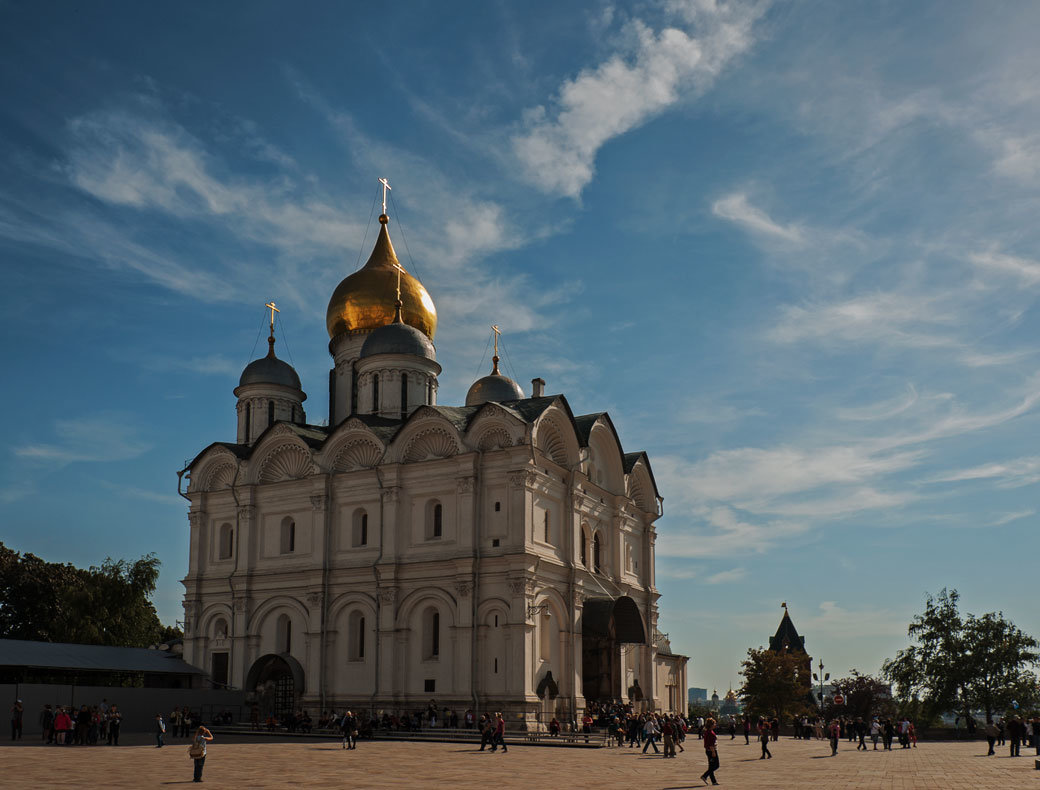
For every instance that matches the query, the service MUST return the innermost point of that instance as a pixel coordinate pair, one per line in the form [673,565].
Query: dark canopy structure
[607,623]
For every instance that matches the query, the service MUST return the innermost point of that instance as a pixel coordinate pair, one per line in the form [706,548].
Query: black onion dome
[398,338]
[270,370]
[495,387]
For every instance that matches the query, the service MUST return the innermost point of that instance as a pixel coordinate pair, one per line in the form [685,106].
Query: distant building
[698,696]
[730,704]
[787,638]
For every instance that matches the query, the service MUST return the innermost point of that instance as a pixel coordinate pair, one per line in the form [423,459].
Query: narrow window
[288,635]
[404,395]
[545,523]
[435,646]
[353,389]
[375,393]
[292,537]
[496,666]
[584,549]
[429,393]
[227,536]
[359,529]
[437,520]
[249,411]
[288,537]
[595,552]
[361,638]
[496,621]
[364,529]
[270,413]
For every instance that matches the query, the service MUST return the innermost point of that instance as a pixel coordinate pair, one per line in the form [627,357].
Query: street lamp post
[821,677]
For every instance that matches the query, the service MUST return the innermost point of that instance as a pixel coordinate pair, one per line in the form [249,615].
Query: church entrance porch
[607,623]
[278,683]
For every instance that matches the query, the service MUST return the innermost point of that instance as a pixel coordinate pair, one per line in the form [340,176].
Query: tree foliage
[775,684]
[965,663]
[56,602]
[865,696]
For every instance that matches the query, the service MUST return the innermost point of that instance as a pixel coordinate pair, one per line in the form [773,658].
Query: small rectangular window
[494,543]
[496,666]
[430,685]
[498,506]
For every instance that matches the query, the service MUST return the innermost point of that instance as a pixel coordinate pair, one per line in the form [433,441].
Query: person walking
[17,714]
[62,725]
[747,730]
[500,733]
[650,731]
[763,736]
[47,723]
[991,737]
[668,735]
[875,731]
[711,751]
[115,720]
[197,750]
[861,732]
[160,730]
[1015,736]
[349,725]
[835,733]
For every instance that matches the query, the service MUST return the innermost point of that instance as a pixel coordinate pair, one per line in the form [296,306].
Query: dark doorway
[219,675]
[277,681]
[607,624]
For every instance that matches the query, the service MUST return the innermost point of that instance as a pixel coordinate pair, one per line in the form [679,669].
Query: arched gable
[606,455]
[214,471]
[554,435]
[353,446]
[428,435]
[493,428]
[280,455]
[641,486]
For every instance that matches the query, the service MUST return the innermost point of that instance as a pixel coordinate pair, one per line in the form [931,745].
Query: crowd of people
[64,725]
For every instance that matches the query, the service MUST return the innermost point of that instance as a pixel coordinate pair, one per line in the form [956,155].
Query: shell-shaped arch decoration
[288,462]
[357,454]
[551,442]
[431,443]
[494,438]
[638,493]
[218,477]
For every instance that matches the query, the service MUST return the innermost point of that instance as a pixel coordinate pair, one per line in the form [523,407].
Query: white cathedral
[492,556]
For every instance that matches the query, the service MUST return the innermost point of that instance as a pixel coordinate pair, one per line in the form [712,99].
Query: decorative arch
[272,606]
[554,435]
[359,453]
[606,454]
[286,462]
[494,438]
[351,600]
[432,442]
[211,615]
[416,598]
[640,490]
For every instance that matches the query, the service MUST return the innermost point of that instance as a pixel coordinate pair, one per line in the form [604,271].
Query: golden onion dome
[367,299]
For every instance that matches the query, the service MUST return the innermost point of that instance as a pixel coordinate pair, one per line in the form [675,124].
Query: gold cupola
[366,300]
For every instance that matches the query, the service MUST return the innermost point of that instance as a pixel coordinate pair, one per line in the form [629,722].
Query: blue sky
[791,247]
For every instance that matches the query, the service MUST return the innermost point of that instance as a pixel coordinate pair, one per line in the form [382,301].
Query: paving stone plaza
[262,763]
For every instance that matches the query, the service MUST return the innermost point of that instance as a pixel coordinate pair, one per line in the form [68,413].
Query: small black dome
[270,370]
[495,387]
[398,338]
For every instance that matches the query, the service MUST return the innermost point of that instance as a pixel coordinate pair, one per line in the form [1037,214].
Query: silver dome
[495,387]
[398,338]
[270,370]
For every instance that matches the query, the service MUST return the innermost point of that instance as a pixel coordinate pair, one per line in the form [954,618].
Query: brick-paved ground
[256,764]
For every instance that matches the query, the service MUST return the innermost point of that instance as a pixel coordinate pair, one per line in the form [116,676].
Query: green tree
[865,696]
[775,684]
[56,602]
[962,663]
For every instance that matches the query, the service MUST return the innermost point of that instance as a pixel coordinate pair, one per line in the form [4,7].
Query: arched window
[434,520]
[584,547]
[284,634]
[227,537]
[220,628]
[249,414]
[628,557]
[356,637]
[353,390]
[595,553]
[431,634]
[360,529]
[546,531]
[288,537]
[375,393]
[429,393]
[270,413]
[404,395]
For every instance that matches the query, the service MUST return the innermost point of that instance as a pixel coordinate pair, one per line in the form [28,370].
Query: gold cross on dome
[273,311]
[497,331]
[386,188]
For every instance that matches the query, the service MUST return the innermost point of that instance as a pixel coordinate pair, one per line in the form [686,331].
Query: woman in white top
[197,750]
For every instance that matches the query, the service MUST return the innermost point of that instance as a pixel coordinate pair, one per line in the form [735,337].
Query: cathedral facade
[496,555]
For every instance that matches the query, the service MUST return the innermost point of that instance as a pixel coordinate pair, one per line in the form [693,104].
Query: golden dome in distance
[366,300]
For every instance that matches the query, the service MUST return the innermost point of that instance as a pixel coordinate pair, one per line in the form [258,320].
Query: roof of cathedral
[366,300]
[270,370]
[493,388]
[526,410]
[787,637]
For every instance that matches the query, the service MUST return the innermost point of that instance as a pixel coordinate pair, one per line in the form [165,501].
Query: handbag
[196,751]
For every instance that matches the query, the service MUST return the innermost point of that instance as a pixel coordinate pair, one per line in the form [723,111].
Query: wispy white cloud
[736,208]
[883,410]
[1025,270]
[133,492]
[726,577]
[1007,518]
[1007,474]
[557,145]
[98,438]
